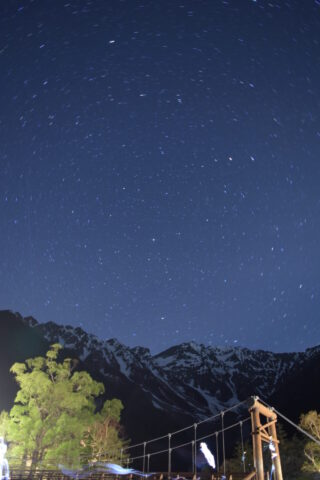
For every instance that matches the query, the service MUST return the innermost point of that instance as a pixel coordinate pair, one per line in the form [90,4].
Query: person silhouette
[4,466]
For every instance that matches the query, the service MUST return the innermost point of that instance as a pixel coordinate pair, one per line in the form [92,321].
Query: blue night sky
[160,169]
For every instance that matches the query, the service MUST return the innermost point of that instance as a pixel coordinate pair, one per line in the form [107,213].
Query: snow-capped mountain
[185,383]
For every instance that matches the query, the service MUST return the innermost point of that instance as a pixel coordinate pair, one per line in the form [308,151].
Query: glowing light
[101,467]
[272,449]
[4,466]
[207,454]
[274,454]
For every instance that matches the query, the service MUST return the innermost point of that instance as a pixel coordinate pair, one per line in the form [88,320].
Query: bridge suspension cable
[314,439]
[196,439]
[217,432]
[120,452]
[147,455]
[223,444]
[208,419]
[243,458]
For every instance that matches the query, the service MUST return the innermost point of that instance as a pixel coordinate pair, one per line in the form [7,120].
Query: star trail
[160,169]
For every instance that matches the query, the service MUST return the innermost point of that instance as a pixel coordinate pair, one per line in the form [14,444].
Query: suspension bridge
[260,422]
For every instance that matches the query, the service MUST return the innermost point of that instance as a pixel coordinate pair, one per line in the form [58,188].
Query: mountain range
[177,387]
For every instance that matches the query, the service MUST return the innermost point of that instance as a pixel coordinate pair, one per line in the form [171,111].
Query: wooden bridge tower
[264,432]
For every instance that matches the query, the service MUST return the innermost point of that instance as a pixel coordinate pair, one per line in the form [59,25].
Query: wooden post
[250,476]
[277,461]
[262,433]
[257,442]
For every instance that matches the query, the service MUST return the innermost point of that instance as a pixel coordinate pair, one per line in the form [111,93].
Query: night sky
[160,170]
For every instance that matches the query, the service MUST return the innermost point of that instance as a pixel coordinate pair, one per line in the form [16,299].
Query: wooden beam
[257,443]
[265,437]
[263,410]
[250,476]
[264,433]
[266,425]
[277,461]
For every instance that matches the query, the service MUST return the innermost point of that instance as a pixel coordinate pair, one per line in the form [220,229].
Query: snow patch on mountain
[189,377]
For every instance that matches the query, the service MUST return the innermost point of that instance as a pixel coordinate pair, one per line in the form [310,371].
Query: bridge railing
[27,474]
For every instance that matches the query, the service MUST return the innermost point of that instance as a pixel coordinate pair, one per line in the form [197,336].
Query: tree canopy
[54,420]
[311,423]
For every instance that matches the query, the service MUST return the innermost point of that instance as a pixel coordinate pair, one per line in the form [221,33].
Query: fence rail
[19,474]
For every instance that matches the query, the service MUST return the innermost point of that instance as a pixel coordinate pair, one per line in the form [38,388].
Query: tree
[291,453]
[52,412]
[4,423]
[311,423]
[242,458]
[103,435]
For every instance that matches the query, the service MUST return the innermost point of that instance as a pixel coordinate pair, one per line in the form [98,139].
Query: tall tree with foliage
[102,438]
[311,423]
[242,459]
[291,453]
[52,412]
[4,423]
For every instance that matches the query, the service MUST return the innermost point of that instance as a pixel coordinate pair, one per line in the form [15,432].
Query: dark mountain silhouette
[172,389]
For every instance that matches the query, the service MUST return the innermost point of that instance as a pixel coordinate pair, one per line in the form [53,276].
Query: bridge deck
[16,474]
